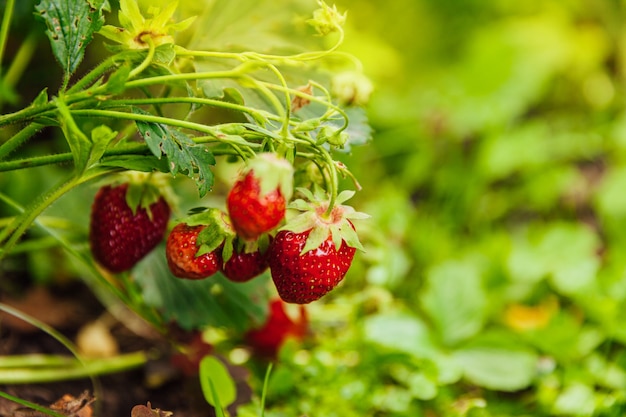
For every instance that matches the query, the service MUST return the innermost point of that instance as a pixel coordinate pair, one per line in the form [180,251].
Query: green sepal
[41,99]
[302,222]
[101,136]
[349,235]
[228,248]
[217,231]
[317,236]
[273,172]
[208,240]
[142,194]
[314,217]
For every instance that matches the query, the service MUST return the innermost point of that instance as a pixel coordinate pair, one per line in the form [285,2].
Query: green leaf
[497,362]
[215,301]
[577,399]
[143,163]
[183,154]
[217,385]
[117,80]
[101,136]
[253,25]
[455,300]
[41,99]
[71,25]
[567,253]
[164,54]
[401,332]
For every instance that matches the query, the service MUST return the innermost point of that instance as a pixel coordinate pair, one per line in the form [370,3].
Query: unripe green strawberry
[120,235]
[312,253]
[258,199]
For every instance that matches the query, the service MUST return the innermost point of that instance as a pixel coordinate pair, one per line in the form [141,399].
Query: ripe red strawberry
[304,278]
[181,249]
[313,252]
[268,339]
[257,201]
[196,246]
[243,265]
[120,235]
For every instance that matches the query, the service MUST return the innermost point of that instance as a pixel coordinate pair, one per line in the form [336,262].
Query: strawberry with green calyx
[312,253]
[258,199]
[128,219]
[197,246]
[247,261]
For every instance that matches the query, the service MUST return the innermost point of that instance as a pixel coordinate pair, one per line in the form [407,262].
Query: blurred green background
[494,281]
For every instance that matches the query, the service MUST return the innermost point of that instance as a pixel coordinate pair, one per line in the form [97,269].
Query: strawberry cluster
[307,254]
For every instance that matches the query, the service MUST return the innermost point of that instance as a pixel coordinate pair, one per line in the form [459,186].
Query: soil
[67,308]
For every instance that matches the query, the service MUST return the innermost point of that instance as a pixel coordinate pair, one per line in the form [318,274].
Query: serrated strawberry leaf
[195,304]
[71,25]
[182,153]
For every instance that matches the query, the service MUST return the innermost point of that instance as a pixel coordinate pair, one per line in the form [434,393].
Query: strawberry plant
[145,108]
[185,145]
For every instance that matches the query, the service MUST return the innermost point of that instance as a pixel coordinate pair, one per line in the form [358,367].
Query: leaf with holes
[182,153]
[71,25]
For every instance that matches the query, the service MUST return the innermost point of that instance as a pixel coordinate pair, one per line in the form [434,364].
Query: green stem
[93,75]
[73,369]
[266,381]
[29,113]
[35,161]
[287,115]
[135,149]
[280,59]
[31,405]
[18,139]
[334,178]
[184,100]
[16,229]
[22,58]
[165,79]
[4,29]
[45,328]
[35,360]
[147,61]
[209,130]
[313,98]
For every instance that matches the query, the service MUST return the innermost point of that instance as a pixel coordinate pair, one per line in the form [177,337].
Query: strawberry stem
[18,139]
[334,180]
[147,61]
